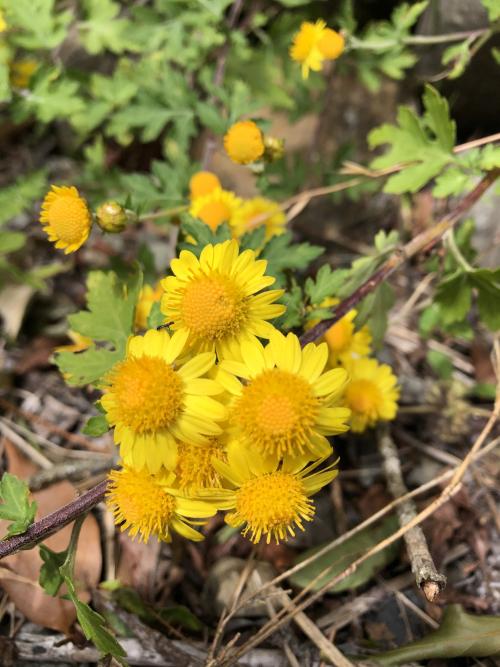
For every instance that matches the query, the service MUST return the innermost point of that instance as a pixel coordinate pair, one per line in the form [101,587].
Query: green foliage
[459,635]
[50,578]
[15,504]
[493,9]
[381,48]
[201,234]
[339,558]
[96,426]
[426,141]
[16,198]
[283,255]
[326,284]
[108,321]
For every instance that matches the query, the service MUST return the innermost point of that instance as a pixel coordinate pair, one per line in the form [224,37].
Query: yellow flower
[371,394]
[257,212]
[66,218]
[343,341]
[21,72]
[215,208]
[287,405]
[203,183]
[194,469]
[214,300]
[147,296]
[244,142]
[142,505]
[153,399]
[269,499]
[314,43]
[3,22]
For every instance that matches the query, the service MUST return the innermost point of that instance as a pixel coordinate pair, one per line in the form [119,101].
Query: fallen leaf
[19,573]
[340,557]
[13,302]
[138,564]
[459,635]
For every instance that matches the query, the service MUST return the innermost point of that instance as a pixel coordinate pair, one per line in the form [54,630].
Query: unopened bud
[274,149]
[111,217]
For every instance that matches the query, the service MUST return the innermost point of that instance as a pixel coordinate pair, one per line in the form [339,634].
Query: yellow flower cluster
[208,417]
[372,392]
[213,205]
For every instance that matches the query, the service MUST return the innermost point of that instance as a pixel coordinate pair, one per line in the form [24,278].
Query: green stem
[68,567]
[165,213]
[452,246]
[416,40]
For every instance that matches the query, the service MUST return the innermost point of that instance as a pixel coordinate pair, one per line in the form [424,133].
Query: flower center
[271,505]
[139,503]
[213,307]
[276,412]
[339,336]
[69,218]
[214,213]
[149,393]
[363,396]
[194,468]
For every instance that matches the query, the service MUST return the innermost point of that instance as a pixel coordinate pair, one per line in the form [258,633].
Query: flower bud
[111,217]
[274,149]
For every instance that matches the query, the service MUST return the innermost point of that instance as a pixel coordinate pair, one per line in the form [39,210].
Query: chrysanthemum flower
[216,207]
[214,300]
[244,142]
[66,218]
[343,341]
[147,296]
[142,505]
[153,399]
[315,43]
[288,405]
[257,212]
[372,393]
[203,183]
[194,469]
[269,499]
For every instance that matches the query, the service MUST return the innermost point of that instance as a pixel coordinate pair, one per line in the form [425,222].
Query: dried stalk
[427,577]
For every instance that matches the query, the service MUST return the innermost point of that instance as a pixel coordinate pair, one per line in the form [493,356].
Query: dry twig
[427,577]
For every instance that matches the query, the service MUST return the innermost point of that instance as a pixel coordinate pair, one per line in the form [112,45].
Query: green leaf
[15,198]
[453,181]
[490,157]
[211,117]
[427,141]
[108,320]
[405,15]
[181,615]
[487,283]
[340,557]
[96,426]
[294,313]
[102,29]
[254,239]
[453,295]
[155,317]
[16,505]
[459,635]
[50,578]
[374,310]
[11,241]
[202,234]
[326,284]
[493,9]
[281,254]
[53,98]
[440,363]
[39,24]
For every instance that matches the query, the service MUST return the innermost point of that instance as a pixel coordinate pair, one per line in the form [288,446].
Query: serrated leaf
[340,557]
[109,320]
[102,28]
[487,283]
[202,234]
[96,426]
[459,635]
[40,25]
[426,141]
[15,504]
[493,9]
[50,578]
[326,284]
[253,239]
[282,254]
[15,198]
[490,157]
[453,181]
[294,313]
[405,15]
[454,297]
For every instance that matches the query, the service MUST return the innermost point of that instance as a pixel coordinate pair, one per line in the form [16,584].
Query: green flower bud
[111,217]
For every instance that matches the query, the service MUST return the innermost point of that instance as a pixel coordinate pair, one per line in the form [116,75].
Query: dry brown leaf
[138,564]
[19,572]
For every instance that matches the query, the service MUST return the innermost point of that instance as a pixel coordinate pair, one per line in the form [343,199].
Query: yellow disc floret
[144,505]
[268,498]
[244,142]
[371,394]
[203,183]
[66,218]
[287,404]
[258,212]
[215,299]
[216,207]
[153,399]
[315,43]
